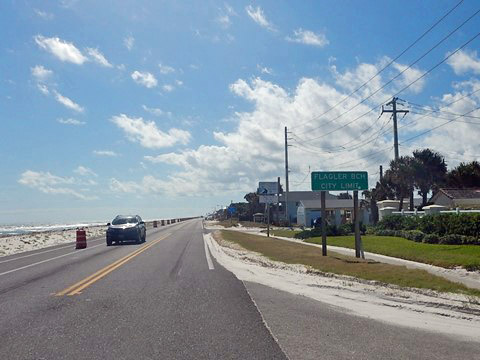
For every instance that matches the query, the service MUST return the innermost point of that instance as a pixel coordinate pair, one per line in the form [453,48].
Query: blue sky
[169,108]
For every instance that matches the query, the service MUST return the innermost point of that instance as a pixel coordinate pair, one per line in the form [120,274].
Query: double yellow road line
[77,288]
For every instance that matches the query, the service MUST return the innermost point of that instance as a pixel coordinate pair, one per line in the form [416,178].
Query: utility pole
[394,111]
[287,217]
[381,172]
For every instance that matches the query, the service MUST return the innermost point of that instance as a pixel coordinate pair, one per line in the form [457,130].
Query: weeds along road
[167,299]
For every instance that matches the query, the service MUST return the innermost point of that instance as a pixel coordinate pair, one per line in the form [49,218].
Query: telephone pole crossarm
[394,112]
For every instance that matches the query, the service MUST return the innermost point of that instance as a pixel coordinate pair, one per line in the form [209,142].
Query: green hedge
[332,230]
[439,224]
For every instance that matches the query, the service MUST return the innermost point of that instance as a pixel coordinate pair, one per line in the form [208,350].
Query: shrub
[439,224]
[346,229]
[414,235]
[385,232]
[430,239]
[451,239]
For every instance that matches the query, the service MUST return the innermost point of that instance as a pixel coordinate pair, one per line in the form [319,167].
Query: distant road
[168,299]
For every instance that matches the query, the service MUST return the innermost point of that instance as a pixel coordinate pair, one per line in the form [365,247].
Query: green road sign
[339,180]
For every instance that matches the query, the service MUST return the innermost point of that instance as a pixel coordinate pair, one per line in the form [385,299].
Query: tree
[429,172]
[465,175]
[345,195]
[254,205]
[401,176]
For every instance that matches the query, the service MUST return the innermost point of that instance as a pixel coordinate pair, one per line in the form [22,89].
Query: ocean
[27,229]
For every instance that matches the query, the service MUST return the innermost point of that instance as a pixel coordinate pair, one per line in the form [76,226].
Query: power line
[439,126]
[403,89]
[386,66]
[456,119]
[400,73]
[430,110]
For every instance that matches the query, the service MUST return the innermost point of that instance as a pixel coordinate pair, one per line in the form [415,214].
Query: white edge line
[47,260]
[207,254]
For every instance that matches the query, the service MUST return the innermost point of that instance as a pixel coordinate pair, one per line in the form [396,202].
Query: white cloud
[464,61]
[51,184]
[147,134]
[165,69]
[98,57]
[43,14]
[144,78]
[253,149]
[129,41]
[409,76]
[83,171]
[40,73]
[224,19]
[156,111]
[179,82]
[71,121]
[265,70]
[124,187]
[68,102]
[43,89]
[257,15]
[63,50]
[308,37]
[194,67]
[108,153]
[168,88]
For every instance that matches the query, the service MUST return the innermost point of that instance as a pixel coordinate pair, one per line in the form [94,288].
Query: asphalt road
[161,302]
[166,299]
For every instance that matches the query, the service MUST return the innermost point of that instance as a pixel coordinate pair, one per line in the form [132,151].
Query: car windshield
[124,220]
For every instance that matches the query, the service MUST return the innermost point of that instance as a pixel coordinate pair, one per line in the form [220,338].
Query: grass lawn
[234,222]
[447,256]
[292,253]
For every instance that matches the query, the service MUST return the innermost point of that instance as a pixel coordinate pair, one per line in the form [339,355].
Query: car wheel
[139,238]
[109,242]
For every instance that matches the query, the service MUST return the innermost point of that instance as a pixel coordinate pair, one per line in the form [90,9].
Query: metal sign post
[268,219]
[324,224]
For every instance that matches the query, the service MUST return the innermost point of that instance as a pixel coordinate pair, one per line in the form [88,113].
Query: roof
[472,193]
[329,204]
[305,195]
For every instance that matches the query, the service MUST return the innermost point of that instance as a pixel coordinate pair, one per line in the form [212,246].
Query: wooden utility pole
[394,111]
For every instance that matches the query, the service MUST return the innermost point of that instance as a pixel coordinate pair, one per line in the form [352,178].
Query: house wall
[444,200]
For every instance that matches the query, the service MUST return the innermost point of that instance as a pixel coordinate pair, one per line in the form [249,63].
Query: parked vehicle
[126,228]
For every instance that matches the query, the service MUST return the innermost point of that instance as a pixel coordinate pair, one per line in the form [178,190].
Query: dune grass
[293,253]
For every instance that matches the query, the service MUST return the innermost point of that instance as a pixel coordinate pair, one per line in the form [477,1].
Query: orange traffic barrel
[81,239]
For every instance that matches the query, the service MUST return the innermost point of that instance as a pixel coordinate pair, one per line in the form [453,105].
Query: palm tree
[465,175]
[401,176]
[429,172]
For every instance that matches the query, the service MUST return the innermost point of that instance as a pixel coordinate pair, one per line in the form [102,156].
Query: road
[166,299]
[162,303]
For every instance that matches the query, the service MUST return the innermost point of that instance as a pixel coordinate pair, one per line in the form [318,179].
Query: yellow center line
[82,284]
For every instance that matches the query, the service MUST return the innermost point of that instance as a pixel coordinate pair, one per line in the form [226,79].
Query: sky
[172,108]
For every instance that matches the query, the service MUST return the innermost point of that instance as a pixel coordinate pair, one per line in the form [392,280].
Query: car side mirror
[108,224]
[142,222]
